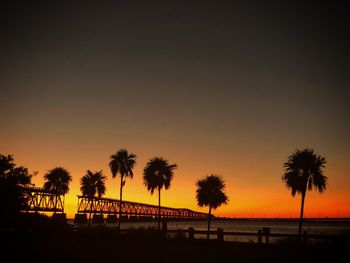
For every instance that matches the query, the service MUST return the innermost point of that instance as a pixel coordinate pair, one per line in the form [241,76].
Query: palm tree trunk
[90,213]
[120,201]
[209,218]
[301,211]
[158,208]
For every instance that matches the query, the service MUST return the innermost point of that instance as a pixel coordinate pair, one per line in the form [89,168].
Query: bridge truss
[133,209]
[42,200]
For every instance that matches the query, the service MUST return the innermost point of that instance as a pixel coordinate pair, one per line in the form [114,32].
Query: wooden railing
[261,236]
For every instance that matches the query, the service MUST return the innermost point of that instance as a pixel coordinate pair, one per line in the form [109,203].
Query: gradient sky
[229,89]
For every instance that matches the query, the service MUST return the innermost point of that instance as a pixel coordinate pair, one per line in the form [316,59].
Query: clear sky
[229,89]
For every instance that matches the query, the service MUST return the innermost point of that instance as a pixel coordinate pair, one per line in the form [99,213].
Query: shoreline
[325,219]
[104,244]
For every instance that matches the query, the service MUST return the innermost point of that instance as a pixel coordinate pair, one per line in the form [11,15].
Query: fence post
[305,236]
[220,234]
[266,232]
[191,233]
[164,228]
[259,237]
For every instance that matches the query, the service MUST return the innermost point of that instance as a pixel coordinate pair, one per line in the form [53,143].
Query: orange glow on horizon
[252,197]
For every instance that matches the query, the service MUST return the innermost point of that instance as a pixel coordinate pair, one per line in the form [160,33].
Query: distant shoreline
[323,219]
[310,219]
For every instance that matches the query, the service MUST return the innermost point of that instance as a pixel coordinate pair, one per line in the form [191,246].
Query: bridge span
[42,200]
[130,210]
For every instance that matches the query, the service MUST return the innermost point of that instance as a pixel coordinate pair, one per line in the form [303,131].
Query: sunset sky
[217,88]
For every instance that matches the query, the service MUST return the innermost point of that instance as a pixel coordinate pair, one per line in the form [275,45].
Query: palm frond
[93,183]
[303,171]
[122,163]
[210,191]
[58,180]
[157,174]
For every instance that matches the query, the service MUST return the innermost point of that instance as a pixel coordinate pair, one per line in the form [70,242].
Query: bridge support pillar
[80,219]
[112,219]
[59,218]
[97,219]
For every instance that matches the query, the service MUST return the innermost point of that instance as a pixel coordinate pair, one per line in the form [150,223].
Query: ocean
[250,225]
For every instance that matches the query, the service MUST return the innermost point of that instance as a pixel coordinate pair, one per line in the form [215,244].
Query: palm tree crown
[9,171]
[93,183]
[12,197]
[158,173]
[57,180]
[122,162]
[304,170]
[210,191]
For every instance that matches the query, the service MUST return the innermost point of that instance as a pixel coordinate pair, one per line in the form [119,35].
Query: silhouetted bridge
[130,210]
[42,200]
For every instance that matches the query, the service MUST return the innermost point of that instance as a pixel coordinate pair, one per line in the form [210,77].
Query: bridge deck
[112,206]
[42,200]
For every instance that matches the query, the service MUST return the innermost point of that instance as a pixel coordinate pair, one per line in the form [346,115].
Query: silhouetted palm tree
[210,192]
[57,180]
[92,184]
[122,163]
[303,171]
[158,173]
[12,197]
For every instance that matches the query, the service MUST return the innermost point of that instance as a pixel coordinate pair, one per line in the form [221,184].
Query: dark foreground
[106,245]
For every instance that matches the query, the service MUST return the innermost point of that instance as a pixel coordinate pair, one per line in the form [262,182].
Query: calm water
[331,228]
